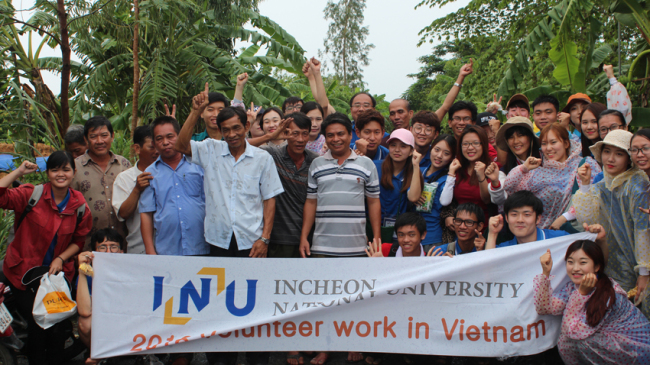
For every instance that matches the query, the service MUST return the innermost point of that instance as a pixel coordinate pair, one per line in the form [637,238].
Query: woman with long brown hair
[552,179]
[599,324]
[467,177]
[400,180]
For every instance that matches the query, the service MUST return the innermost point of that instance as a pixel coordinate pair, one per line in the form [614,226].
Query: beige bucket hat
[617,138]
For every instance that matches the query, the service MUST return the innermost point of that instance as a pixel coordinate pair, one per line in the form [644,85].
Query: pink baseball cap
[403,135]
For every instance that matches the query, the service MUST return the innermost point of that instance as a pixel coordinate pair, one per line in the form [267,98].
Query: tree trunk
[65,71]
[136,65]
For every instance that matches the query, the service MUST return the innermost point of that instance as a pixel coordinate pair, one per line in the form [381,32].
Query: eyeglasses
[645,150]
[475,144]
[611,128]
[295,107]
[464,119]
[111,248]
[359,105]
[420,129]
[468,222]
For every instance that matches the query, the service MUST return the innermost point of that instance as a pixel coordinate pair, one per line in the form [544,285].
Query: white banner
[478,304]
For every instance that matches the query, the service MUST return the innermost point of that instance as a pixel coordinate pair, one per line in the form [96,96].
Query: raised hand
[564,119]
[494,106]
[547,262]
[143,181]
[362,146]
[252,113]
[173,112]
[27,168]
[532,163]
[584,172]
[315,65]
[305,69]
[242,79]
[609,71]
[467,68]
[588,283]
[479,241]
[435,251]
[595,228]
[455,165]
[479,169]
[374,248]
[492,172]
[495,224]
[200,101]
[282,129]
[417,157]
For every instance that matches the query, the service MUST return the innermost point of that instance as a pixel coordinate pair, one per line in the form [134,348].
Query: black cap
[483,119]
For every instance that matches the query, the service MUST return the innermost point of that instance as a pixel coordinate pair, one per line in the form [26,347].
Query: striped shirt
[340,209]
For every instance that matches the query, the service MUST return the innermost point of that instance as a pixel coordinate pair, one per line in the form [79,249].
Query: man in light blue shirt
[174,202]
[241,182]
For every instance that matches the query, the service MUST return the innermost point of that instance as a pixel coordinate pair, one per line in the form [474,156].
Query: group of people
[305,180]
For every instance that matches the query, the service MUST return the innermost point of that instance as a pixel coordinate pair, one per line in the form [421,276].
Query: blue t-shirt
[49,255]
[380,154]
[458,250]
[434,228]
[542,234]
[393,202]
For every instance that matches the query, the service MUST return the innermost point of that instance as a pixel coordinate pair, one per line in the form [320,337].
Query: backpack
[31,203]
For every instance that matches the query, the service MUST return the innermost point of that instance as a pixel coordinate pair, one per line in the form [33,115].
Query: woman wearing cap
[589,126]
[400,180]
[467,181]
[554,180]
[316,141]
[613,203]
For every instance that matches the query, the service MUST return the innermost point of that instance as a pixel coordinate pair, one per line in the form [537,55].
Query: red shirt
[466,193]
[37,230]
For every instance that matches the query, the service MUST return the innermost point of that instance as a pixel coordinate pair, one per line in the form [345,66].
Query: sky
[393,29]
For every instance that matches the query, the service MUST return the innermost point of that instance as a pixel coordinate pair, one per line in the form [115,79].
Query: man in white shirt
[129,185]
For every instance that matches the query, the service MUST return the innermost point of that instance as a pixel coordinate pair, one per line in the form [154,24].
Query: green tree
[346,40]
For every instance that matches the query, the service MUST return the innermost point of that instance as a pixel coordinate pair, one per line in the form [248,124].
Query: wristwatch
[265,240]
[457,84]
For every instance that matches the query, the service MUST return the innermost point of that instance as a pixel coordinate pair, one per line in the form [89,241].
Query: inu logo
[188,291]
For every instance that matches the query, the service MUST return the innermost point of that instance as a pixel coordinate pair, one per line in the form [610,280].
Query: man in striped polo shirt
[339,183]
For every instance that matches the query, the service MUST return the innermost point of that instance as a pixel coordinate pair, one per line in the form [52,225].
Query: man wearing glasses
[292,105]
[468,223]
[359,103]
[426,127]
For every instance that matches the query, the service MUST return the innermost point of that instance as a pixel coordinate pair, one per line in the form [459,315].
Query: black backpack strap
[33,200]
[80,214]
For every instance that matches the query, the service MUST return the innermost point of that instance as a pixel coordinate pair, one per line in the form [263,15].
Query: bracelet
[480,181]
[457,84]
[498,186]
[451,175]
[62,261]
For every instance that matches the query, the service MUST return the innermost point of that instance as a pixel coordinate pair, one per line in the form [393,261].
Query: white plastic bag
[53,301]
